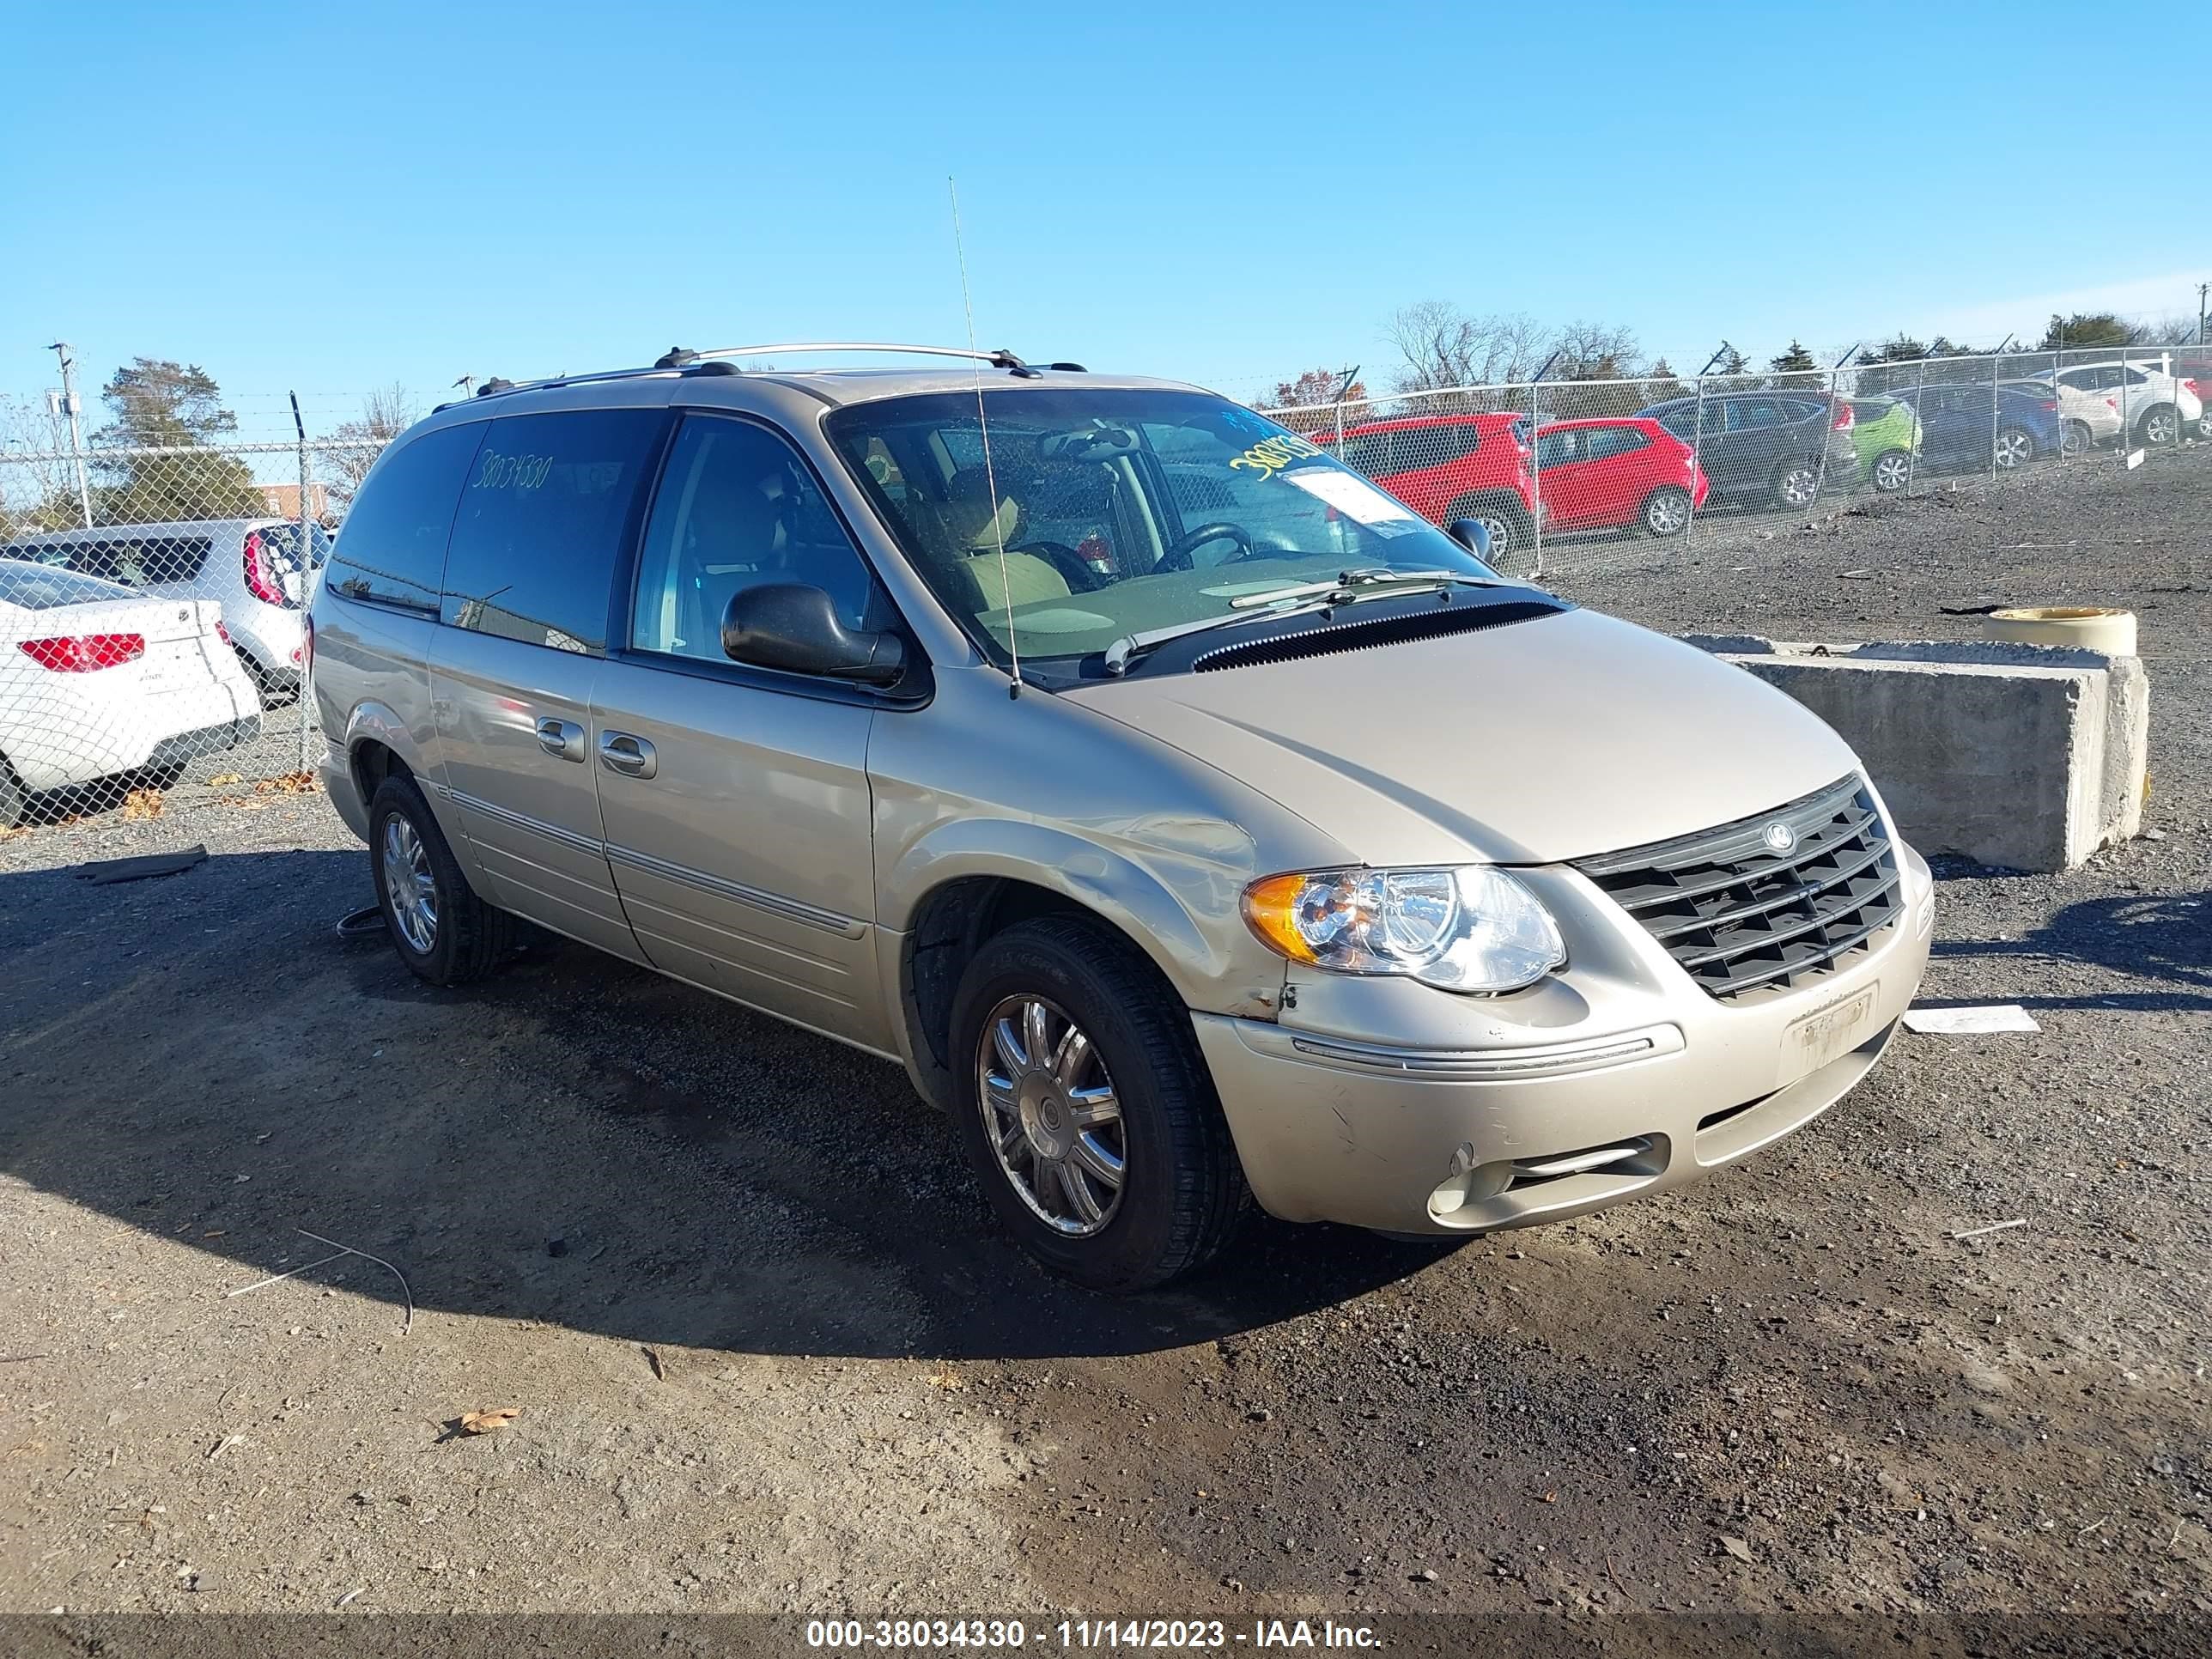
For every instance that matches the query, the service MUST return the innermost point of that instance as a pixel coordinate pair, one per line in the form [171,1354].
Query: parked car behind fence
[1608,474]
[99,683]
[1786,447]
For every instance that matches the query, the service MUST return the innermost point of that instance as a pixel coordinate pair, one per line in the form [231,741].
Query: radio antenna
[983,424]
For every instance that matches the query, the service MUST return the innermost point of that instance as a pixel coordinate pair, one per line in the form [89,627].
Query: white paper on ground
[1961,1021]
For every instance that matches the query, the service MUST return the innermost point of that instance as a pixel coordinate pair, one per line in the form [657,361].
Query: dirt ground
[766,1352]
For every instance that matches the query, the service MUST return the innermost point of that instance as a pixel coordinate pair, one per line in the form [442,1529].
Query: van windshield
[1120,511]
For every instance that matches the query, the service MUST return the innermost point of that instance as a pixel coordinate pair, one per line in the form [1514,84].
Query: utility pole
[2202,290]
[61,348]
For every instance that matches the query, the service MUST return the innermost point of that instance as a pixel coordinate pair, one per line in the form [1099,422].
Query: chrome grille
[1740,915]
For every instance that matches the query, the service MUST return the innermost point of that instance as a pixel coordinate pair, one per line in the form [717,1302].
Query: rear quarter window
[394,550]
[547,502]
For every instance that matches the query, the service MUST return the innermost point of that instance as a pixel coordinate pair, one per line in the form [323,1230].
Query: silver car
[1188,817]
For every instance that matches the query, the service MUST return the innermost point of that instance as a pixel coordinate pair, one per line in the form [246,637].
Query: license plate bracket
[1826,1034]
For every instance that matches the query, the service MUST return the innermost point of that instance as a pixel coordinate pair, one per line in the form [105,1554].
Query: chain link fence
[153,601]
[1558,464]
[152,621]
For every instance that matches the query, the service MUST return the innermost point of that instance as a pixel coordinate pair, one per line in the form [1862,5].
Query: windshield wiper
[1347,586]
[1288,602]
[1373,576]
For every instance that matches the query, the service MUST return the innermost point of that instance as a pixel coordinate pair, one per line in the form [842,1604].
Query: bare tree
[385,414]
[1440,345]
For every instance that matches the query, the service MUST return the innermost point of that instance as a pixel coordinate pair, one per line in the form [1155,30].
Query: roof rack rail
[681,359]
[998,359]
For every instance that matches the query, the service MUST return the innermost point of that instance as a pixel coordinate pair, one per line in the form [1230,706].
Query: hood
[1537,743]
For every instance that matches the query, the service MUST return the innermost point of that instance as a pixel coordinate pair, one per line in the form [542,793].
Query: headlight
[1469,929]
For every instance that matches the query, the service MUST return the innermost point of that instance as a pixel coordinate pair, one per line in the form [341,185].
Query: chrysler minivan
[1193,821]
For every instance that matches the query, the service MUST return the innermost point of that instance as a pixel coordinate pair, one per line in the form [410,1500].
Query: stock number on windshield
[1271,455]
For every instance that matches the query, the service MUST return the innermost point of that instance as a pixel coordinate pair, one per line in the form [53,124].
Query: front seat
[976,534]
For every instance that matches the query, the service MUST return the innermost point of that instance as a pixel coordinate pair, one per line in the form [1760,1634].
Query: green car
[1886,434]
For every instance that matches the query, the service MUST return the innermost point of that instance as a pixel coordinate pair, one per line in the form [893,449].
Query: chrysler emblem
[1778,836]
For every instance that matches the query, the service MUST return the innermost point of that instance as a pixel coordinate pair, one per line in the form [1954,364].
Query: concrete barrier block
[1993,761]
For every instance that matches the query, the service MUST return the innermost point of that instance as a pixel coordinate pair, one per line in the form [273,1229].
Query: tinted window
[738,509]
[142,563]
[392,551]
[1744,413]
[541,522]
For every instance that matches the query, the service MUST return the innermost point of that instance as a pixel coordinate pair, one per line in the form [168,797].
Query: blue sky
[334,199]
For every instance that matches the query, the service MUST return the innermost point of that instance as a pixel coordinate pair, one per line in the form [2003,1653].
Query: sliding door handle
[631,757]
[562,737]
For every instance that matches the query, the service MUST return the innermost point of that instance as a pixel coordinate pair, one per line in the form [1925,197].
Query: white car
[2154,406]
[2088,419]
[250,567]
[98,682]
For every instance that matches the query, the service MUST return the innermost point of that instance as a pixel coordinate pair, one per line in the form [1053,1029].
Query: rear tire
[1891,468]
[464,939]
[1180,1191]
[2016,448]
[1666,512]
[2075,440]
[2160,425]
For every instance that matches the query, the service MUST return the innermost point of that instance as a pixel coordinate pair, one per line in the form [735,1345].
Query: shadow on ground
[2165,938]
[576,1142]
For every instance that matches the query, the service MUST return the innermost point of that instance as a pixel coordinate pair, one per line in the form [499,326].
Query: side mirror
[794,627]
[1470,534]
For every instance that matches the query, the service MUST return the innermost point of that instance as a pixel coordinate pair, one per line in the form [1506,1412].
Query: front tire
[443,932]
[1666,512]
[1796,484]
[1086,1109]
[1509,527]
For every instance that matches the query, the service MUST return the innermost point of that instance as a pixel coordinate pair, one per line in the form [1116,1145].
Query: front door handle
[562,737]
[631,757]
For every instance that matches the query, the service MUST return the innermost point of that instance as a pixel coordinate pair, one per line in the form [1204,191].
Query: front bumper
[1655,1085]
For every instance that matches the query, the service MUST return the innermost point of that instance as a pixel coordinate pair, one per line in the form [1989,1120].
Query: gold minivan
[1188,818]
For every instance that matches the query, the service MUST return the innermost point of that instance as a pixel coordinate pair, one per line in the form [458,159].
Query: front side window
[392,549]
[1182,504]
[738,509]
[541,524]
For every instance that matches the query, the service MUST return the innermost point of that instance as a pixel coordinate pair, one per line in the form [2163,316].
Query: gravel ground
[767,1353]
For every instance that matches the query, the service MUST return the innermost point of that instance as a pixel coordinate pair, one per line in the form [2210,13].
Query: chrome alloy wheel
[409,887]
[1891,472]
[1800,486]
[2014,449]
[1051,1116]
[1668,512]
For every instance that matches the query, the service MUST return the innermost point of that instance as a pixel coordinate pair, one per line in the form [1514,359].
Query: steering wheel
[1081,578]
[1178,557]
